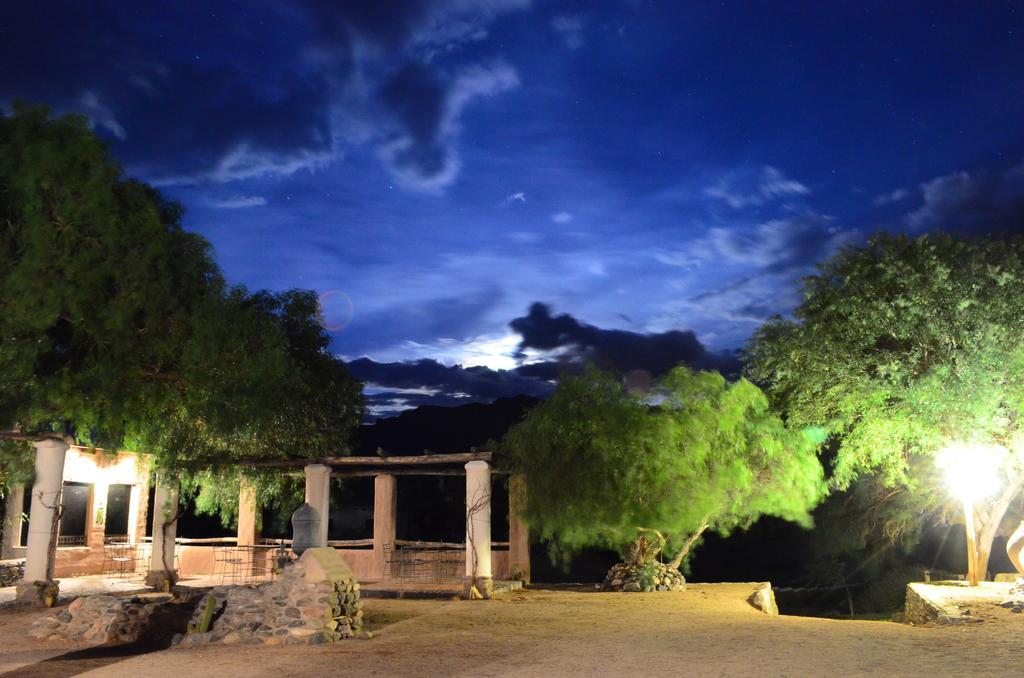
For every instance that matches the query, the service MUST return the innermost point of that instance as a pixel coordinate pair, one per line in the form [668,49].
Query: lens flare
[337,309]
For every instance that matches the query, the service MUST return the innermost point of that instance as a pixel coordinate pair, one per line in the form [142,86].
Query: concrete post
[248,525]
[518,532]
[385,510]
[318,495]
[138,502]
[478,528]
[41,549]
[12,521]
[165,528]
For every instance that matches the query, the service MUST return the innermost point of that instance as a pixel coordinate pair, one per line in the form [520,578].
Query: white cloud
[473,83]
[242,162]
[741,191]
[571,30]
[561,217]
[496,351]
[943,196]
[240,201]
[100,115]
[888,198]
[514,197]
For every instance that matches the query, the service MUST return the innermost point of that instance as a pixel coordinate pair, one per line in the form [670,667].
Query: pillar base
[162,579]
[37,593]
[483,589]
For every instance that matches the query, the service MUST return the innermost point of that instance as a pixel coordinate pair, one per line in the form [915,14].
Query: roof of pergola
[409,464]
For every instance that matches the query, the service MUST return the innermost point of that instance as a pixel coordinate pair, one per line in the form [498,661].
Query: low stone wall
[944,603]
[112,619]
[628,577]
[11,571]
[292,610]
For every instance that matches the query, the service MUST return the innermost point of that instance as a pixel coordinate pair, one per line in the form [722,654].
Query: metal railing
[71,540]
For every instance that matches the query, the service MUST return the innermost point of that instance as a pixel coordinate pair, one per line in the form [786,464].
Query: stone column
[518,532]
[41,549]
[478,527]
[318,495]
[138,502]
[385,510]
[162,570]
[12,521]
[248,525]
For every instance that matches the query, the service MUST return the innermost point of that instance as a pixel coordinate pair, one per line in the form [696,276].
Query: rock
[763,598]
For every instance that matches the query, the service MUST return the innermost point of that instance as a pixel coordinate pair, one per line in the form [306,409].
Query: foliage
[217,492]
[603,464]
[648,571]
[902,348]
[120,331]
[17,464]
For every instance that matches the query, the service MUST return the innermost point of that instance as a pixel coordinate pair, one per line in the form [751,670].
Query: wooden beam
[375,462]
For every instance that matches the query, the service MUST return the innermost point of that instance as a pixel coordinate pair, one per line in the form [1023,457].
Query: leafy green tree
[119,330]
[604,466]
[904,348]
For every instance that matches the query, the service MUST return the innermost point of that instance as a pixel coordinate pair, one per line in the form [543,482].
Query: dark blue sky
[662,171]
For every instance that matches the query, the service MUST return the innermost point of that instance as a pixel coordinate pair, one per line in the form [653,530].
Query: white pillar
[12,521]
[165,530]
[385,506]
[135,503]
[42,522]
[318,495]
[478,524]
[248,525]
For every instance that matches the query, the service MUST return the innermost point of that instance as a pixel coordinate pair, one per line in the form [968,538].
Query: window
[74,521]
[116,523]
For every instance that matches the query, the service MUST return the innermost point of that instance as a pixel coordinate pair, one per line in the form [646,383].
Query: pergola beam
[375,462]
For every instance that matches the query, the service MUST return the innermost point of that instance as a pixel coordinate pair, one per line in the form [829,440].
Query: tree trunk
[970,527]
[678,560]
[984,524]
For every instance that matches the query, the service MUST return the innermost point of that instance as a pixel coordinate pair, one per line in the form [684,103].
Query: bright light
[972,469]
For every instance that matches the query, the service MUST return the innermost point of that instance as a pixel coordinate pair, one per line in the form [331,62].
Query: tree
[604,466]
[119,330]
[904,348]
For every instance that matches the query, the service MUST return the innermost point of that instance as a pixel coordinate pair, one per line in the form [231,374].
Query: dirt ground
[708,630]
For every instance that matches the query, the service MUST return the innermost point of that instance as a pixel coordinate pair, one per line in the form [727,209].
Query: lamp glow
[972,469]
[972,472]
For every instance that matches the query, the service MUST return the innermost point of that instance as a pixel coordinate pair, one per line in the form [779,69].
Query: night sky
[514,187]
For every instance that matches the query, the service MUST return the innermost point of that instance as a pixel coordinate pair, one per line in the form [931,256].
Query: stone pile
[11,571]
[292,610]
[104,619]
[653,576]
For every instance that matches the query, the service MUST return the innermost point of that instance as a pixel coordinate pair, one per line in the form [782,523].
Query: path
[706,631]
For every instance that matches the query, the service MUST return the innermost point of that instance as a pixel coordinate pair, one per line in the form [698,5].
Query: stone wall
[287,611]
[11,571]
[112,619]
[654,576]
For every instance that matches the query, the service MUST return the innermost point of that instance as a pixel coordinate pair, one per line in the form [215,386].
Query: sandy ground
[708,630]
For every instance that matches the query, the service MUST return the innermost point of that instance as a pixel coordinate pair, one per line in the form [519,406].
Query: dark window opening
[74,520]
[116,523]
[351,509]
